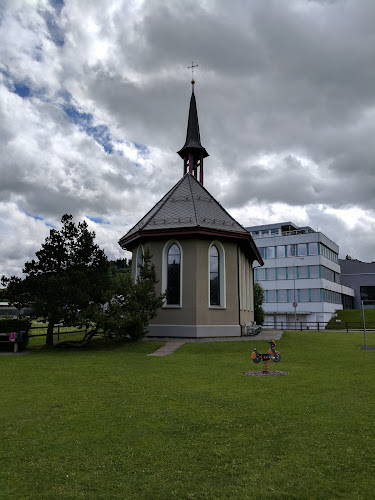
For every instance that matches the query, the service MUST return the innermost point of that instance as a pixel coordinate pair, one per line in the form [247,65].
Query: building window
[313,249]
[292,274]
[281,273]
[304,295]
[174,275]
[271,273]
[367,293]
[214,276]
[315,295]
[280,251]
[274,232]
[260,274]
[303,272]
[314,272]
[261,251]
[282,296]
[217,274]
[291,250]
[270,253]
[270,295]
[139,261]
[302,249]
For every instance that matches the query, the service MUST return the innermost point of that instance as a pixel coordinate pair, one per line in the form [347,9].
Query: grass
[354,318]
[115,423]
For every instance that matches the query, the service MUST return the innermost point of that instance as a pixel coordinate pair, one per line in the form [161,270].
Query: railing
[58,332]
[318,325]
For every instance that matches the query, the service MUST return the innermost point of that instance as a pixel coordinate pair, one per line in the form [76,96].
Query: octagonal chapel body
[203,257]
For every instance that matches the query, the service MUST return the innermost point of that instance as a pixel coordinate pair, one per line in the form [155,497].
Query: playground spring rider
[257,357]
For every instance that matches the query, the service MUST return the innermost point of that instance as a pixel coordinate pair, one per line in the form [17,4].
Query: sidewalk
[172,344]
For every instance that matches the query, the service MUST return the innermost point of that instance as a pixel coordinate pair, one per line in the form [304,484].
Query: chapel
[203,257]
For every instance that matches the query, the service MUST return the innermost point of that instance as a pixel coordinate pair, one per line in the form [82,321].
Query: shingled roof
[188,205]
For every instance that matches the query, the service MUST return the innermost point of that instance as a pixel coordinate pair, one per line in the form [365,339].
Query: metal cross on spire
[192,71]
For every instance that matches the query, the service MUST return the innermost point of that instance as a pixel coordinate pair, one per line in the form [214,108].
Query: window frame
[166,249]
[222,277]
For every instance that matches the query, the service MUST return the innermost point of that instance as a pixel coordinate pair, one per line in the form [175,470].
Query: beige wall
[195,308]
[246,289]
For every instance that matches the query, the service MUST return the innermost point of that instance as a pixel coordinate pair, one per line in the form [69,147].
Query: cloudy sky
[94,99]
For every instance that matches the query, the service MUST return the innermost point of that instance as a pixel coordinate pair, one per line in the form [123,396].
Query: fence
[319,325]
[58,332]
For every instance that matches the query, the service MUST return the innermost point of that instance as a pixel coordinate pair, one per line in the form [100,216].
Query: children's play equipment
[257,357]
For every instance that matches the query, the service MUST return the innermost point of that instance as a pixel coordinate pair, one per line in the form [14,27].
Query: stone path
[172,344]
[20,353]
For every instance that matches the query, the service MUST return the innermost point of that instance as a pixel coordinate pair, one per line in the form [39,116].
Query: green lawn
[353,317]
[115,423]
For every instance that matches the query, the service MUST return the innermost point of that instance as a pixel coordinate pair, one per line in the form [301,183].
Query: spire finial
[192,73]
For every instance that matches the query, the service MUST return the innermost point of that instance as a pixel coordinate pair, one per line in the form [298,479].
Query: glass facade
[303,295]
[297,272]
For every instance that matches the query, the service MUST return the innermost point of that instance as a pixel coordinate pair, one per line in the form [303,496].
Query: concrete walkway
[172,344]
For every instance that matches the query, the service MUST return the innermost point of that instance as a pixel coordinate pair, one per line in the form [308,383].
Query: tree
[258,302]
[132,304]
[129,307]
[69,274]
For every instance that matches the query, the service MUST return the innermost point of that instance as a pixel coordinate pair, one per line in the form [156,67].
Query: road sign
[295,304]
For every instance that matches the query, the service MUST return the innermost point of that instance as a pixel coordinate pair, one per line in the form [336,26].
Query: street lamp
[294,288]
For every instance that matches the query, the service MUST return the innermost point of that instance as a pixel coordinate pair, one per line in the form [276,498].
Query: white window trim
[138,260]
[164,278]
[223,287]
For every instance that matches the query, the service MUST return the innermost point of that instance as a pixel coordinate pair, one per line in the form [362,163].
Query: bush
[8,325]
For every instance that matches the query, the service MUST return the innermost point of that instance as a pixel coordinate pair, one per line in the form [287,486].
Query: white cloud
[285,100]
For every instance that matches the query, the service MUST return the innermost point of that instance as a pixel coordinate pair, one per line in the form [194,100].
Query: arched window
[174,275]
[139,261]
[216,275]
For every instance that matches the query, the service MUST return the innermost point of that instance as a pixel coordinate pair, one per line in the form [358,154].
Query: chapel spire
[193,152]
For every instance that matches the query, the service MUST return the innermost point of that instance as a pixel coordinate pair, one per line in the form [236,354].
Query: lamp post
[364,323]
[294,288]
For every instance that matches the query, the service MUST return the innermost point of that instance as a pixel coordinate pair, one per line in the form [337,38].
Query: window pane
[265,232]
[282,296]
[314,271]
[280,251]
[214,277]
[281,273]
[303,272]
[291,250]
[174,255]
[261,274]
[291,273]
[302,249]
[274,232]
[304,295]
[261,251]
[315,295]
[313,249]
[271,273]
[270,253]
[271,296]
[173,277]
[293,295]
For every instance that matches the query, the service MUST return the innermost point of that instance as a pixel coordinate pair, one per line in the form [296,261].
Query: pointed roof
[188,208]
[193,138]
